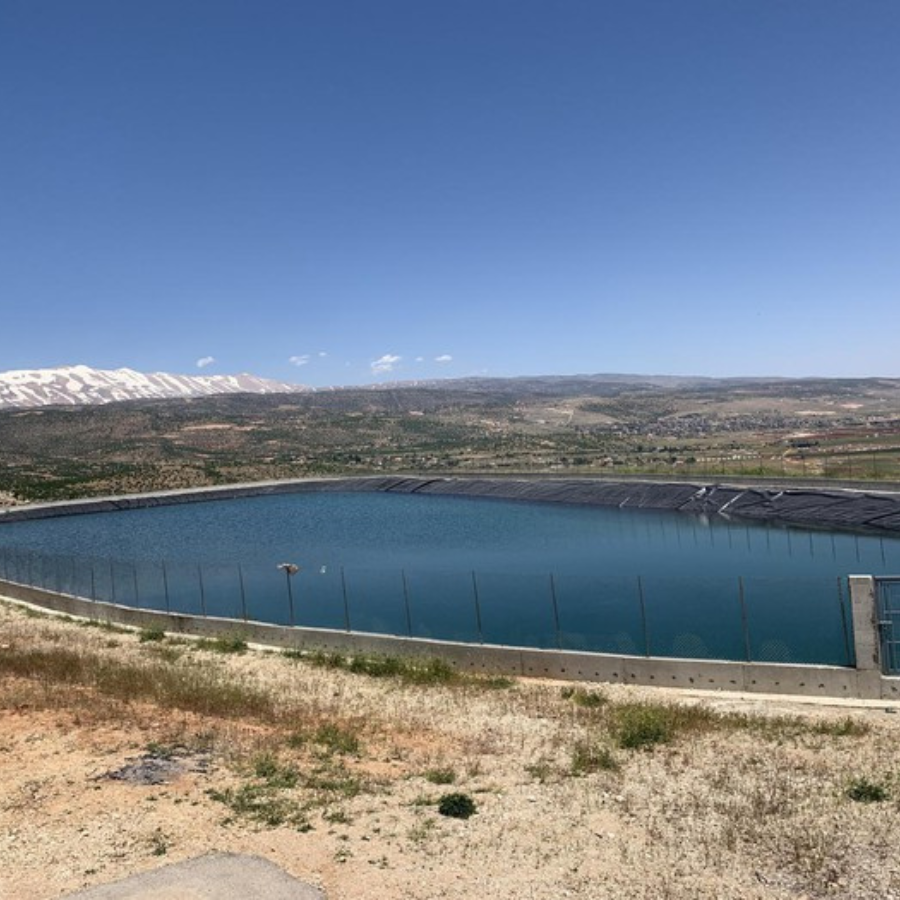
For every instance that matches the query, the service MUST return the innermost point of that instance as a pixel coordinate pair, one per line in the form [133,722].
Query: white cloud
[443,358]
[301,360]
[385,364]
[322,354]
[420,359]
[205,361]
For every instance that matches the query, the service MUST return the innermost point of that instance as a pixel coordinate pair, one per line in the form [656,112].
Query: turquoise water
[627,581]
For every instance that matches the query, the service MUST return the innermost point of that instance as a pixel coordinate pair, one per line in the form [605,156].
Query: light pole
[289,569]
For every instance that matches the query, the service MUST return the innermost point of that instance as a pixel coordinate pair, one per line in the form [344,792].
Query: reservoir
[531,574]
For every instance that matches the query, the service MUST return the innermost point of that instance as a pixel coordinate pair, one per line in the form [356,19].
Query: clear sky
[354,191]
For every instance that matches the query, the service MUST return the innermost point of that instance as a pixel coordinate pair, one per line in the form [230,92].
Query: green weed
[862,790]
[440,776]
[276,776]
[331,782]
[331,738]
[148,635]
[233,643]
[589,757]
[582,697]
[261,804]
[542,770]
[640,726]
[335,739]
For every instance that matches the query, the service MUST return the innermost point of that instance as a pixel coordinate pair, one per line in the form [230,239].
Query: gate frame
[888,644]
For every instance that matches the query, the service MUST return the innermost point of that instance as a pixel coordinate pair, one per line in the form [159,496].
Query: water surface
[538,574]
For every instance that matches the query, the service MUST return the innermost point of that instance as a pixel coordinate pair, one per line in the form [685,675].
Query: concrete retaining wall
[768,678]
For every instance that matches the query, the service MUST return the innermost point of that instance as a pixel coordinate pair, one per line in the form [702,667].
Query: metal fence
[887,595]
[753,618]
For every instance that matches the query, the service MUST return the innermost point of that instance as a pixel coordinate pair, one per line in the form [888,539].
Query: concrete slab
[218,876]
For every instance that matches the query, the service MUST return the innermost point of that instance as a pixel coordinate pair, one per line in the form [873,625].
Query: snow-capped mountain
[81,385]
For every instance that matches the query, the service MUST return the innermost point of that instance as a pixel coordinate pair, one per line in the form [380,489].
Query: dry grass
[329,767]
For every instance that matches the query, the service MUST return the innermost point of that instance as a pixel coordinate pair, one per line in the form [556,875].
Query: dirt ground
[757,811]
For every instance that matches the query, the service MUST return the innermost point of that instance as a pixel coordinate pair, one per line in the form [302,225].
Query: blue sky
[357,191]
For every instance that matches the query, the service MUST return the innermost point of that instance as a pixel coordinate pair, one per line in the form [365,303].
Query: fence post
[289,569]
[866,642]
[112,581]
[744,627]
[202,590]
[137,596]
[477,608]
[844,628]
[165,575]
[555,612]
[243,593]
[346,601]
[406,603]
[640,586]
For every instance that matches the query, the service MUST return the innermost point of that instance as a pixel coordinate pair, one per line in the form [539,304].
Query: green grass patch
[260,803]
[150,635]
[331,782]
[276,775]
[226,643]
[416,670]
[846,727]
[640,726]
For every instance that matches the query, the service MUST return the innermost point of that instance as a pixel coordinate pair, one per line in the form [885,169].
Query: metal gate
[888,599]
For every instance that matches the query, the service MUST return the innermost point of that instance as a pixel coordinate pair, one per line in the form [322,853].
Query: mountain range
[85,386]
[82,385]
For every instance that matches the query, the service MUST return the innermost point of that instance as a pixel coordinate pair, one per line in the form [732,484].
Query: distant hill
[166,436]
[83,386]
